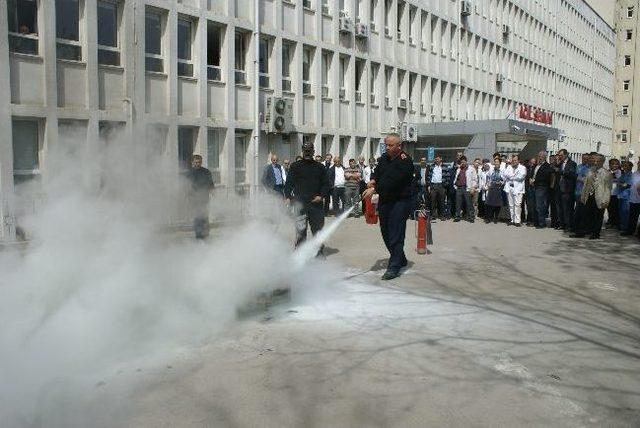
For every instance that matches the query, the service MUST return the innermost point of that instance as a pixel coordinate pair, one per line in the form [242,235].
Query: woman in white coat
[514,176]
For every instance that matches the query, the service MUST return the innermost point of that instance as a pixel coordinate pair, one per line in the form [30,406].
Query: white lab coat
[514,179]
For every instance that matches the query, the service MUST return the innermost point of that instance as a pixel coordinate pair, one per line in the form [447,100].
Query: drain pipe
[256,97]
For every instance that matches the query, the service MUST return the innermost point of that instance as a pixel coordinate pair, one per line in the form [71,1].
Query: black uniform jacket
[306,179]
[394,177]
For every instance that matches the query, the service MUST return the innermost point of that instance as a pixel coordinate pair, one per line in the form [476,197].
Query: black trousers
[567,202]
[492,213]
[554,207]
[592,217]
[463,199]
[201,226]
[438,193]
[531,206]
[634,213]
[309,215]
[393,226]
[613,212]
[578,215]
[339,200]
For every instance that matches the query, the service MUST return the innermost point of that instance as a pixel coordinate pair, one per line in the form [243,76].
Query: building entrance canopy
[482,138]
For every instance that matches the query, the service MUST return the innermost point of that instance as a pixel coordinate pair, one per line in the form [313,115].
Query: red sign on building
[535,114]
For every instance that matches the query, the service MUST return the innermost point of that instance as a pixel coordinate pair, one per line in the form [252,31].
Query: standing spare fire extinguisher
[371,209]
[424,234]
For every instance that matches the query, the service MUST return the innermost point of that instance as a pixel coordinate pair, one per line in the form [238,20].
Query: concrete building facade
[626,139]
[194,71]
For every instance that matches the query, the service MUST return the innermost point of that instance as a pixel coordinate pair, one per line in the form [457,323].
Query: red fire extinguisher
[371,210]
[424,234]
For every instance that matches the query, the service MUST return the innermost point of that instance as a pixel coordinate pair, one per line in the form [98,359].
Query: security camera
[515,128]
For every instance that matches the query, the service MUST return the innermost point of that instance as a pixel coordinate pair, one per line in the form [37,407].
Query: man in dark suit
[327,165]
[566,188]
[273,177]
[201,187]
[541,183]
[421,174]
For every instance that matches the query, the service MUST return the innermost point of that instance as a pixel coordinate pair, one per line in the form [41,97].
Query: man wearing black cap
[307,184]
[393,181]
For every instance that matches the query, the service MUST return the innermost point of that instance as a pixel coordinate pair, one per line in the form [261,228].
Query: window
[185,40]
[360,67]
[108,52]
[630,12]
[624,110]
[623,136]
[627,60]
[153,40]
[626,84]
[288,49]
[185,146]
[242,146]
[265,55]
[25,147]
[215,35]
[307,63]
[387,17]
[372,13]
[68,30]
[344,69]
[215,141]
[326,70]
[399,16]
[628,35]
[326,144]
[240,47]
[22,17]
[373,83]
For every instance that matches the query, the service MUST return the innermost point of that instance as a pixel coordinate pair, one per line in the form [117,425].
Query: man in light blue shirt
[581,174]
[273,177]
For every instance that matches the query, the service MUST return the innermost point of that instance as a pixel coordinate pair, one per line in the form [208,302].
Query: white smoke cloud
[105,284]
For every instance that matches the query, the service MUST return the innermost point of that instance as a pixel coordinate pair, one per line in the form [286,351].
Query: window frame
[76,45]
[213,69]
[156,56]
[39,129]
[188,62]
[240,73]
[118,7]
[32,37]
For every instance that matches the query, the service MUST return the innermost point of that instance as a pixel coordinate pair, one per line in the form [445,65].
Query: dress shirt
[339,181]
[436,174]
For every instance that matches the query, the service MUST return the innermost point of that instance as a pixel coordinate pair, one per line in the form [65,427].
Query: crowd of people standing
[545,191]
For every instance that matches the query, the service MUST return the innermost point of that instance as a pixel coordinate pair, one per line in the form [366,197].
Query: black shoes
[594,237]
[389,275]
[457,219]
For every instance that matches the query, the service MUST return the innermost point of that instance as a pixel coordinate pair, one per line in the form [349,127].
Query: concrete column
[7,225]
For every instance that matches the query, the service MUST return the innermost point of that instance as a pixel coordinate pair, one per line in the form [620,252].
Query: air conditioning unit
[306,3]
[402,103]
[499,78]
[505,30]
[411,109]
[361,30]
[372,99]
[387,31]
[279,115]
[465,9]
[372,26]
[387,102]
[358,97]
[325,9]
[286,84]
[423,109]
[409,132]
[345,25]
[325,91]
[443,51]
[343,94]
[411,41]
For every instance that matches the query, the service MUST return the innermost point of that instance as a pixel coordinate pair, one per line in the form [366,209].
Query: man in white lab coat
[514,175]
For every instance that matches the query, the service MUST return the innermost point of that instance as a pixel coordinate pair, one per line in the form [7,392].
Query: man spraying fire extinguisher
[392,181]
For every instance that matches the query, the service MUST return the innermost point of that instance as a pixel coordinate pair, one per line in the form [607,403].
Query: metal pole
[256,97]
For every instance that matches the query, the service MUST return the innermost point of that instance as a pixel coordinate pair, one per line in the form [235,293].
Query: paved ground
[498,326]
